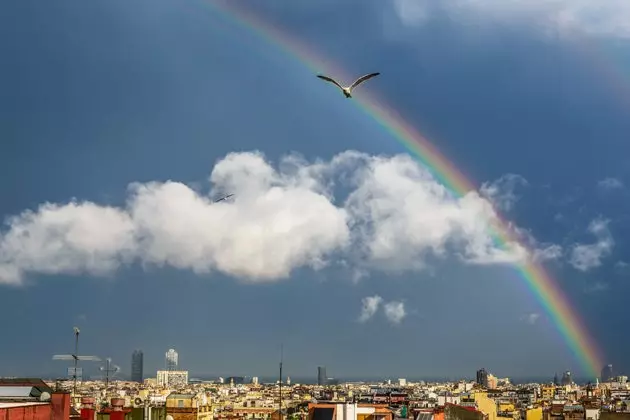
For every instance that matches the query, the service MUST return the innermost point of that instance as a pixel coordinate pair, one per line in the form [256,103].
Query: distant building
[172,359]
[188,407]
[607,373]
[460,412]
[172,378]
[348,411]
[237,380]
[482,378]
[566,378]
[321,375]
[137,360]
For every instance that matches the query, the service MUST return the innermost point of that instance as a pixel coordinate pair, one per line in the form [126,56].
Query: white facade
[592,414]
[350,412]
[172,378]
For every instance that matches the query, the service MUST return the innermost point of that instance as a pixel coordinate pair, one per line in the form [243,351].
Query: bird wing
[331,80]
[363,79]
[224,198]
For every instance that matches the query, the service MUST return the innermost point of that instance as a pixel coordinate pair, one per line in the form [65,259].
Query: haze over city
[347,240]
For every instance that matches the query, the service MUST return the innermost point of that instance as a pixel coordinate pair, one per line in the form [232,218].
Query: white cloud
[610,184]
[603,17]
[395,311]
[597,287]
[502,192]
[281,218]
[369,307]
[588,256]
[71,238]
[401,215]
[531,318]
[550,252]
[541,251]
[621,265]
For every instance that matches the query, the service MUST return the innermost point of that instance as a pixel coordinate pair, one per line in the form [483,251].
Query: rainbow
[541,284]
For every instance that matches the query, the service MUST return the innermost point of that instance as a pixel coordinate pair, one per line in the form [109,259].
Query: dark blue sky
[97,95]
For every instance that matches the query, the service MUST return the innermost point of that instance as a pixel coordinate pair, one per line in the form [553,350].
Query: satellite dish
[169,417]
[45,396]
[138,401]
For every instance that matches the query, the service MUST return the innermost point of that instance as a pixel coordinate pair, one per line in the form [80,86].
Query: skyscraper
[566,378]
[136,366]
[607,373]
[171,359]
[321,375]
[482,378]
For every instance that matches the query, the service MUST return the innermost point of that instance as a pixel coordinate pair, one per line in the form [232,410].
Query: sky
[122,122]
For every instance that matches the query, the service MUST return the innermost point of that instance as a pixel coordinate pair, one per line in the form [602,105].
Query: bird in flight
[348,90]
[224,198]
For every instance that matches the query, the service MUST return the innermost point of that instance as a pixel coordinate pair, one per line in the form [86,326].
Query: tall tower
[607,373]
[172,359]
[137,359]
[482,378]
[566,378]
[321,375]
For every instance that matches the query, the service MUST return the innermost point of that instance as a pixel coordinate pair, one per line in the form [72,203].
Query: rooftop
[20,404]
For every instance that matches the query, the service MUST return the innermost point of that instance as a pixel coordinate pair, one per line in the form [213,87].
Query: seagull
[224,198]
[348,90]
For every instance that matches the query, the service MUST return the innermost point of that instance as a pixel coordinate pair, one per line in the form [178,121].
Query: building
[457,412]
[482,378]
[492,381]
[237,380]
[348,411]
[116,410]
[32,399]
[172,378]
[172,359]
[137,359]
[188,407]
[607,373]
[566,378]
[321,375]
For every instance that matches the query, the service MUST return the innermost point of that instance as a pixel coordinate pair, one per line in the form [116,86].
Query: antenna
[280,403]
[109,368]
[76,358]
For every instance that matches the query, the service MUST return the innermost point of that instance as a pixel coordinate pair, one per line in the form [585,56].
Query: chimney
[117,412]
[87,408]
[60,402]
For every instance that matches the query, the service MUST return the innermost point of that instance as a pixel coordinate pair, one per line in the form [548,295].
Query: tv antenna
[76,358]
[109,368]
[280,402]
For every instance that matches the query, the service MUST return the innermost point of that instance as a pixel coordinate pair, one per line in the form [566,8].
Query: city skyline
[171,362]
[466,208]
